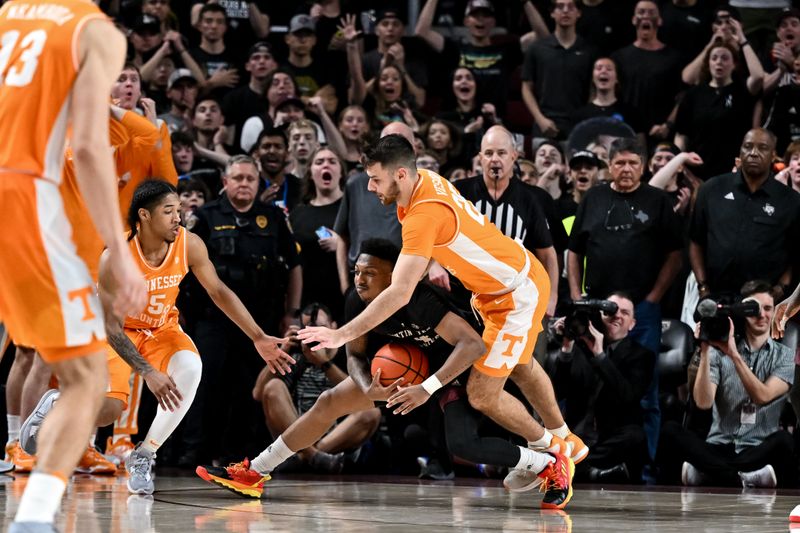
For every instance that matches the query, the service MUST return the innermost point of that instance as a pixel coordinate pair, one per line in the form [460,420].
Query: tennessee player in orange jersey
[510,291]
[58,59]
[151,342]
[126,92]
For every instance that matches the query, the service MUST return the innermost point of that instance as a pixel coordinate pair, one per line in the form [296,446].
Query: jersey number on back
[31,46]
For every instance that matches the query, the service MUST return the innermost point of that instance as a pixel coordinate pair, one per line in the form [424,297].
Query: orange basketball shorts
[47,297]
[512,323]
[156,346]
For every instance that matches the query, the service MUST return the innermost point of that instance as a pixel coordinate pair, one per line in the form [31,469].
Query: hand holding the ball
[409,398]
[377,392]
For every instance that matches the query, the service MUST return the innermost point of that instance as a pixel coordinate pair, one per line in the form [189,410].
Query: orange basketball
[400,361]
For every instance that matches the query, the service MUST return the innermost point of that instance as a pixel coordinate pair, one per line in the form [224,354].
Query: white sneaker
[794,516]
[763,478]
[29,428]
[692,477]
[525,480]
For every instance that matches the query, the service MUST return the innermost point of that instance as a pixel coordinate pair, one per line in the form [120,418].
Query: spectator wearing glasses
[627,237]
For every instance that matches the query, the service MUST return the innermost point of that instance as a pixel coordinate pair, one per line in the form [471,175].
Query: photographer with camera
[745,379]
[602,375]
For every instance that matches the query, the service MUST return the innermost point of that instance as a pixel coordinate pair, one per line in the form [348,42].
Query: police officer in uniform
[255,254]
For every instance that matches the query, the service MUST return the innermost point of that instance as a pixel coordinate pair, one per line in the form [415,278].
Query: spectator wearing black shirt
[604,101]
[650,70]
[217,62]
[602,378]
[247,19]
[393,48]
[491,63]
[510,204]
[685,26]
[145,39]
[784,115]
[312,223]
[557,72]
[443,140]
[604,23]
[584,167]
[751,207]
[248,100]
[466,108]
[714,116]
[627,237]
[310,74]
[281,188]
[209,133]
[724,24]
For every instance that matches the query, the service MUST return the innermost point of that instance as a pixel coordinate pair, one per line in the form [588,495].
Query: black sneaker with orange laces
[236,477]
[557,482]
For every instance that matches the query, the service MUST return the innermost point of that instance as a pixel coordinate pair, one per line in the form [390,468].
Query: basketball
[400,361]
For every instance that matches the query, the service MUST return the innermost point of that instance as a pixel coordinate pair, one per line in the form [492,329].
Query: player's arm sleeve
[426,226]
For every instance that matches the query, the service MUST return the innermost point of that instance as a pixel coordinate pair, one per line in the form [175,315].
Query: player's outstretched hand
[377,392]
[326,337]
[409,398]
[278,361]
[164,389]
[131,294]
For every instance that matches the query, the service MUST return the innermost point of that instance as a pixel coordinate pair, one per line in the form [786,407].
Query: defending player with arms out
[151,342]
[57,64]
[510,289]
[359,391]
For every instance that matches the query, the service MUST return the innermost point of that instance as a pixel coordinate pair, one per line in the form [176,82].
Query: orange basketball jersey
[465,243]
[38,67]
[162,284]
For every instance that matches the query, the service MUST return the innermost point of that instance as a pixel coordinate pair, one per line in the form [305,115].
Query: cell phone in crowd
[323,232]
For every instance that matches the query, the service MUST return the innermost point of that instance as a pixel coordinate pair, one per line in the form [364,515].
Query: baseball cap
[585,156]
[178,75]
[260,46]
[300,23]
[475,5]
[388,13]
[146,24]
[788,13]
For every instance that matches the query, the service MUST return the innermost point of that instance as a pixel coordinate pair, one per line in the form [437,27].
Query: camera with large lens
[713,317]
[583,312]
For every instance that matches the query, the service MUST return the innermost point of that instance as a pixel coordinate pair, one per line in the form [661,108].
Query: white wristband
[432,384]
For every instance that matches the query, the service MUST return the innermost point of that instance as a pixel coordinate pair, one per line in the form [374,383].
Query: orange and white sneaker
[93,462]
[557,482]
[120,449]
[578,451]
[22,460]
[236,477]
[525,480]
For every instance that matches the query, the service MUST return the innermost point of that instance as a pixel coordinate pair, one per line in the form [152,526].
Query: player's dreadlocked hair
[146,196]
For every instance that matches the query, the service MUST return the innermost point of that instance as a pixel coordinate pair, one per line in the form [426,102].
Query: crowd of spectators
[654,162]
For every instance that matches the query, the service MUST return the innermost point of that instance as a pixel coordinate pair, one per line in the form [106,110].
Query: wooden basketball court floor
[393,504]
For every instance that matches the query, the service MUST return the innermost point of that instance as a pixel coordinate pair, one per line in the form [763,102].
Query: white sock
[533,461]
[13,427]
[543,442]
[561,433]
[92,439]
[41,498]
[184,368]
[275,454]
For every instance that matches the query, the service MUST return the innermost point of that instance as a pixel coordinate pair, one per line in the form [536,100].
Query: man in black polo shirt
[557,73]
[626,237]
[745,224]
[511,205]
